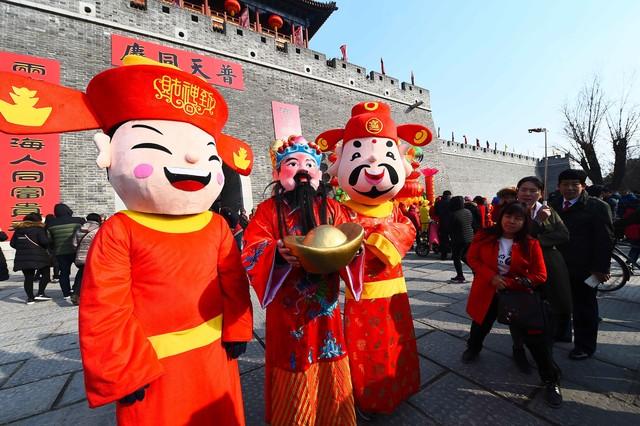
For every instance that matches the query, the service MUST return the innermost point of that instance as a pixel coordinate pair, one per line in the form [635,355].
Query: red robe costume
[307,371]
[381,341]
[160,295]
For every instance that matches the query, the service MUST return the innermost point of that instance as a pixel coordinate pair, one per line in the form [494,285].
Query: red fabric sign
[215,71]
[29,164]
[286,120]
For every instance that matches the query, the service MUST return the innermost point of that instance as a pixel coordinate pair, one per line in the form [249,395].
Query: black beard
[302,197]
[374,192]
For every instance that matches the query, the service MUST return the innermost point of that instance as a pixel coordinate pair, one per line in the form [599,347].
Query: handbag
[523,309]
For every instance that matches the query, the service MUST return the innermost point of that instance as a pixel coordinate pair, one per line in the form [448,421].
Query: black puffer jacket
[461,229]
[30,241]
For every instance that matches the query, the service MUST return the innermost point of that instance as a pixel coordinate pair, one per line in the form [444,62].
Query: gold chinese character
[27,175]
[24,192]
[21,209]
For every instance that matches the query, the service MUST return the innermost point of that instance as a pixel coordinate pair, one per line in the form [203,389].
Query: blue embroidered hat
[295,144]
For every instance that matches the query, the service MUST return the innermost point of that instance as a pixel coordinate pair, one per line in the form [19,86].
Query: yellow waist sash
[175,343]
[381,289]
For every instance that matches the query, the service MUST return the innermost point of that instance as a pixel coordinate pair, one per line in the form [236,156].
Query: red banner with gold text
[29,164]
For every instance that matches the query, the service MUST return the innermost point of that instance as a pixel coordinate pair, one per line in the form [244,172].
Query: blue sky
[494,68]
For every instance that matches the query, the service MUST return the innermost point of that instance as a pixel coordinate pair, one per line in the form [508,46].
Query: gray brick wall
[58,29]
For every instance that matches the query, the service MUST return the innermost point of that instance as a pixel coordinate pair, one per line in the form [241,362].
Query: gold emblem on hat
[374,126]
[23,111]
[323,144]
[371,106]
[420,137]
[180,94]
[240,159]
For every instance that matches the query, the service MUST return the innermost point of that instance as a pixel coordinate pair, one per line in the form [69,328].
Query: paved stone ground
[41,380]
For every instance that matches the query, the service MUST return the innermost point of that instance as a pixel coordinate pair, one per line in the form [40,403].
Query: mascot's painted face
[292,165]
[371,170]
[162,167]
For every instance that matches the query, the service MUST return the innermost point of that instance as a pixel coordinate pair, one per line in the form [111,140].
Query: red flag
[244,18]
[258,25]
[298,38]
[382,66]
[343,49]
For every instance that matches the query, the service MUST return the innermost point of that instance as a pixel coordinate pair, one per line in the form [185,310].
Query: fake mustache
[355,174]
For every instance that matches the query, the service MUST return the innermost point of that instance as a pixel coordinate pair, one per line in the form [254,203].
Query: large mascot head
[162,145]
[370,165]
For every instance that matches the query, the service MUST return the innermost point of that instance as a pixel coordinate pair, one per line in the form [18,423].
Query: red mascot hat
[374,119]
[142,89]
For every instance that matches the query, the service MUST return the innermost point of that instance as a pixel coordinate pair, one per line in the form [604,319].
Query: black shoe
[469,355]
[30,301]
[552,394]
[520,358]
[364,416]
[457,280]
[579,355]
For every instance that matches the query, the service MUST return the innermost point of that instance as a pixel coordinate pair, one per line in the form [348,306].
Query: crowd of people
[556,250]
[57,243]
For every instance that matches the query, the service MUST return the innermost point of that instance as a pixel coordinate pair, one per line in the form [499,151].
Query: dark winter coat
[61,229]
[552,233]
[443,212]
[590,236]
[30,241]
[475,214]
[461,225]
[4,271]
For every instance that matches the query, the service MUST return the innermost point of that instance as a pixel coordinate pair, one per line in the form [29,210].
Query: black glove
[235,349]
[133,397]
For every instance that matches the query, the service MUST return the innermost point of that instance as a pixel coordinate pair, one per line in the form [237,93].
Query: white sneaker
[67,298]
[30,301]
[42,297]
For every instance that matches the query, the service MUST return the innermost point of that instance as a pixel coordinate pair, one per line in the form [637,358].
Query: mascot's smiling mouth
[373,178]
[187,179]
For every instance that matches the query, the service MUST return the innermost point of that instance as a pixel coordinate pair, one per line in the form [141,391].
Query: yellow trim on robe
[171,224]
[381,289]
[175,343]
[381,210]
[383,249]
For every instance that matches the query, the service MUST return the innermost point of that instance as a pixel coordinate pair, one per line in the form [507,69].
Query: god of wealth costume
[307,370]
[379,327]
[165,304]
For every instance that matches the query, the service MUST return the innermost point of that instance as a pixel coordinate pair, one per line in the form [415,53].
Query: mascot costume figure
[371,169]
[294,246]
[165,307]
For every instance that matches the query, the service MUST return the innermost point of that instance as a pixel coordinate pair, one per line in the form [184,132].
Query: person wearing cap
[165,307]
[307,369]
[371,168]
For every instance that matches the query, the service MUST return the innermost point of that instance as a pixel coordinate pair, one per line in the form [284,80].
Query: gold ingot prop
[326,248]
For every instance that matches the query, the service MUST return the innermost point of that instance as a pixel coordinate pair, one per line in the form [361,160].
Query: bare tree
[623,126]
[582,126]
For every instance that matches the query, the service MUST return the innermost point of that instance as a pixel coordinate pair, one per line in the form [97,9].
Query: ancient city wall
[78,34]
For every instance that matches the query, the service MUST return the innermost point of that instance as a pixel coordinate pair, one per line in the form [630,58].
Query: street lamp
[546,159]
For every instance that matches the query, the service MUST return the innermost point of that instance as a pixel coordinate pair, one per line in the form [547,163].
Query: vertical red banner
[29,164]
[286,120]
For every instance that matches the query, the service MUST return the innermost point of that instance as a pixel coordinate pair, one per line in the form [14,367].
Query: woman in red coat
[502,257]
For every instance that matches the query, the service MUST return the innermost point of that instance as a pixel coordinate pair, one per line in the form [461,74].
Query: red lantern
[275,22]
[232,7]
[411,188]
